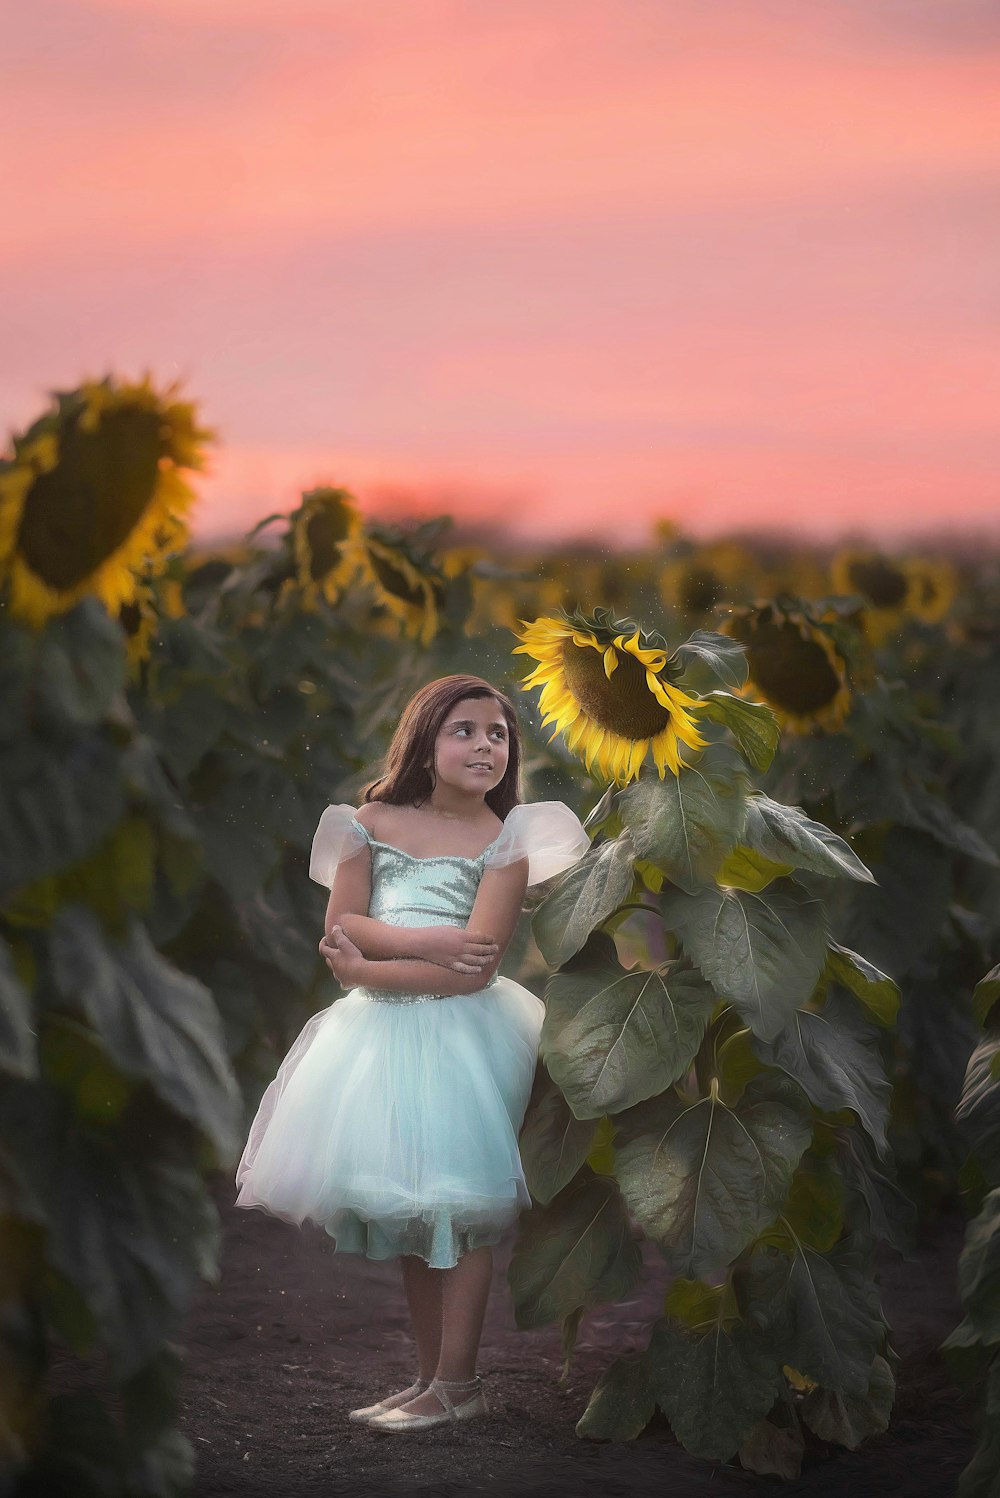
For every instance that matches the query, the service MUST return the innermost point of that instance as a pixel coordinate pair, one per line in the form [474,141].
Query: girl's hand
[343,958]
[454,947]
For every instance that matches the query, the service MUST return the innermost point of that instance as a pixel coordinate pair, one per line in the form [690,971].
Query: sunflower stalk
[719,1070]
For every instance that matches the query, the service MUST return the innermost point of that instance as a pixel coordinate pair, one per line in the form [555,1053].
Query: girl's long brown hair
[406,781]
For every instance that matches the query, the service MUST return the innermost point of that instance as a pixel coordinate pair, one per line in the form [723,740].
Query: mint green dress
[393,1120]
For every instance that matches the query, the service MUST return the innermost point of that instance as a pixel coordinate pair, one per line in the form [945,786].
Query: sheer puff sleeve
[547,833]
[338,837]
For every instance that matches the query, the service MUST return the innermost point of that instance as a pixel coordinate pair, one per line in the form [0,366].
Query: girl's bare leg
[423,1294]
[465,1291]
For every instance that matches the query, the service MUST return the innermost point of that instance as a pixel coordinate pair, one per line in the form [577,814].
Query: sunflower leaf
[986,994]
[834,1056]
[820,1312]
[753,725]
[156,1023]
[713,1386]
[786,835]
[978,1112]
[688,823]
[724,658]
[18,1050]
[762,951]
[553,1144]
[622,1403]
[575,1253]
[584,897]
[875,989]
[705,1180]
[851,1419]
[613,1036]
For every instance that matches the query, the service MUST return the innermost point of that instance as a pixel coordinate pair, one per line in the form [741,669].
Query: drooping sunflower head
[793,665]
[94,496]
[408,587]
[609,693]
[326,533]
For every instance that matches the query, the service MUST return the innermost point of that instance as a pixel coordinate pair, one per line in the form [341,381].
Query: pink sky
[568,265]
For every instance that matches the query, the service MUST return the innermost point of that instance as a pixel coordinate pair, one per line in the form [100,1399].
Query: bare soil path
[296,1335]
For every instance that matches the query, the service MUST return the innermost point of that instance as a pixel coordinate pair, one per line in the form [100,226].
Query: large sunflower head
[326,534]
[94,495]
[609,692]
[793,665]
[407,586]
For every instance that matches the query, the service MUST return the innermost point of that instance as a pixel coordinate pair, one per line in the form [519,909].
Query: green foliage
[741,1089]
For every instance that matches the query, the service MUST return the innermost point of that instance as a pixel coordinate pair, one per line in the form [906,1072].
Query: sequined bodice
[411,891]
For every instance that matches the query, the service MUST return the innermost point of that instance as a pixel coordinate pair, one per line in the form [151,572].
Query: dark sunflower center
[394,581]
[326,531]
[793,673]
[700,590]
[623,702]
[880,582]
[76,516]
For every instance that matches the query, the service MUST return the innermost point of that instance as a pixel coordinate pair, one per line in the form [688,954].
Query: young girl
[393,1120]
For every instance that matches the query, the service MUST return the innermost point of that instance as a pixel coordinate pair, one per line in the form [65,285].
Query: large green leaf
[979,1272]
[159,1458]
[18,1052]
[875,989]
[753,725]
[986,994]
[128,1219]
[978,1112]
[613,1036]
[576,1252]
[821,1312]
[835,1056]
[981,1478]
[80,667]
[705,1179]
[57,801]
[584,897]
[774,1448]
[622,1403]
[713,1385]
[763,951]
[156,1023]
[891,1214]
[851,1419]
[720,656]
[786,835]
[553,1144]
[688,823]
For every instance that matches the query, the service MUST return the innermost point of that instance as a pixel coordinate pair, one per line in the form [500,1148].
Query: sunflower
[793,664]
[703,577]
[93,496]
[883,583]
[412,594]
[326,541]
[933,589]
[608,693]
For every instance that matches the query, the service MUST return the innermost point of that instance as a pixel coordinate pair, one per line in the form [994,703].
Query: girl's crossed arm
[465,949]
[496,911]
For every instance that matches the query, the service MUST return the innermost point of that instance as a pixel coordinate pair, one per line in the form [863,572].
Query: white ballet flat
[400,1420]
[361,1417]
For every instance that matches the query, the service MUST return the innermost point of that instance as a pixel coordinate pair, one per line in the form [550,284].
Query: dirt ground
[296,1335]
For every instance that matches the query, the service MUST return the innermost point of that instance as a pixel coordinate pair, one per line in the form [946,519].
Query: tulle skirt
[394,1125]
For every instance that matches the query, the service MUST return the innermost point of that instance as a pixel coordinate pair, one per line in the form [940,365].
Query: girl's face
[471,748]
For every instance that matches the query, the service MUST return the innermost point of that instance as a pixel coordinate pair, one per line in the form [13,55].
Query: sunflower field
[769,1047]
